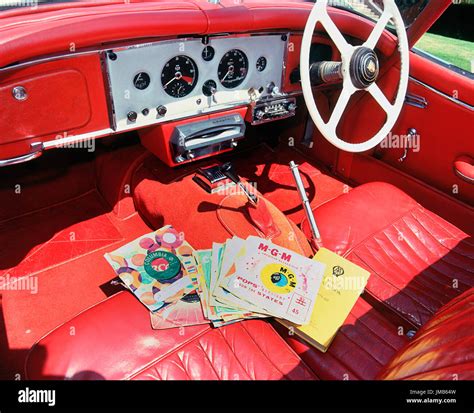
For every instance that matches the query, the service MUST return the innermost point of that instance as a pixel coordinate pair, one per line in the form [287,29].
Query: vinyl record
[162,265]
[278,278]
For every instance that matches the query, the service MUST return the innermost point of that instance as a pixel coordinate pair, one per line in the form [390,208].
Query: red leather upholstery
[442,349]
[417,260]
[114,340]
[363,346]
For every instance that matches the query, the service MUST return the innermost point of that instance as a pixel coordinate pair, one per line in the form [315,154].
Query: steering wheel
[359,70]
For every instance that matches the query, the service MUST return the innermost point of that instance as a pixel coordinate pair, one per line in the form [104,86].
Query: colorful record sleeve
[159,267]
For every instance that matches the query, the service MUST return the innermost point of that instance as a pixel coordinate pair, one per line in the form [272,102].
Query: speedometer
[233,68]
[179,76]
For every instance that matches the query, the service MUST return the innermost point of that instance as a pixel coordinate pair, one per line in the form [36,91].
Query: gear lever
[229,171]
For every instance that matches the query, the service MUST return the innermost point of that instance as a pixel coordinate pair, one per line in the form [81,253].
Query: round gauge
[141,80]
[233,68]
[208,53]
[179,76]
[209,88]
[261,63]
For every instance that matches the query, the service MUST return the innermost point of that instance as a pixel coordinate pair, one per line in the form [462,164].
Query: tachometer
[179,76]
[233,68]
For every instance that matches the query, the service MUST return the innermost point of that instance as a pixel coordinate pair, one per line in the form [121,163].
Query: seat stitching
[434,349]
[373,332]
[167,354]
[210,362]
[374,272]
[184,367]
[342,364]
[261,351]
[417,206]
[442,257]
[436,370]
[446,228]
[249,376]
[413,280]
[427,269]
[363,349]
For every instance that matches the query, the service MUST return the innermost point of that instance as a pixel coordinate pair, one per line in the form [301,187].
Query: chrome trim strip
[36,151]
[69,140]
[452,99]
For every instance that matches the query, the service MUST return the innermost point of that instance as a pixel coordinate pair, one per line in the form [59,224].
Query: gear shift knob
[229,171]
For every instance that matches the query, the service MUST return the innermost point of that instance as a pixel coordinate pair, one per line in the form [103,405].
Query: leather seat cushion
[362,347]
[114,340]
[442,349]
[418,261]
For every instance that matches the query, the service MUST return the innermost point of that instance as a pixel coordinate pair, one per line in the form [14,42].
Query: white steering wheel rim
[319,13]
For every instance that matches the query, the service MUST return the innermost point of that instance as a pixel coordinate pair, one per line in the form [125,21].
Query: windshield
[372,9]
[409,9]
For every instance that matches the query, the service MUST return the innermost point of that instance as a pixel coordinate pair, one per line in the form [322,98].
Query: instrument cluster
[156,82]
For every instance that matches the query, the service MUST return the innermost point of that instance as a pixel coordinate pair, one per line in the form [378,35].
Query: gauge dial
[141,80]
[208,53]
[261,63]
[209,88]
[179,76]
[233,68]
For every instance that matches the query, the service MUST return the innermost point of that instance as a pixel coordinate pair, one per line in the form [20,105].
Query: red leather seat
[114,340]
[363,346]
[442,350]
[418,261]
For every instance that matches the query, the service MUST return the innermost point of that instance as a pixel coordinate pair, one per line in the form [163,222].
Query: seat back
[443,349]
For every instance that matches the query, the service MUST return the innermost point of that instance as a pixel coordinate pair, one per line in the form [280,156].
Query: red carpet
[59,240]
[71,277]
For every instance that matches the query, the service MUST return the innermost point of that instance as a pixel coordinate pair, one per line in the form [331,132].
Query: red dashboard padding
[442,349]
[54,30]
[67,109]
[114,340]
[417,260]
[65,98]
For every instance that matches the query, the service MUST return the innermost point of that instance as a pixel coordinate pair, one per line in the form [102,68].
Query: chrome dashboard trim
[438,92]
[152,56]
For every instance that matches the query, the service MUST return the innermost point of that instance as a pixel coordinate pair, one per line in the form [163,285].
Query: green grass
[457,52]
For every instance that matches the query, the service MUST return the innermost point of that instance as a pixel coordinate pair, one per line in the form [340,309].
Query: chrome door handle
[36,151]
[415,100]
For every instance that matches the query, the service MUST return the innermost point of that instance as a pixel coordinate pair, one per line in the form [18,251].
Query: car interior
[111,109]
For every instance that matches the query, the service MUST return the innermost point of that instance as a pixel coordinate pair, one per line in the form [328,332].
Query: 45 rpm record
[162,265]
[278,278]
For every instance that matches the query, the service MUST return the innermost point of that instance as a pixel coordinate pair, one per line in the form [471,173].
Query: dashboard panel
[168,80]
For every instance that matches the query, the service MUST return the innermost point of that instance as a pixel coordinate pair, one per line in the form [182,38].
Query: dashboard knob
[161,110]
[132,116]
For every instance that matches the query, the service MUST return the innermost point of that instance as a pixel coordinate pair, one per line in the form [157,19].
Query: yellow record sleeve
[342,284]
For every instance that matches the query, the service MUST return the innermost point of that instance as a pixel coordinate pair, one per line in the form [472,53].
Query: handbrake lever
[229,171]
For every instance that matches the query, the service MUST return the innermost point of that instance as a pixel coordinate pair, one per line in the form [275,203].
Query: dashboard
[162,81]
[187,98]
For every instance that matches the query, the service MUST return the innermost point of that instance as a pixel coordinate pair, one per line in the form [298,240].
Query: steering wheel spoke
[374,37]
[335,34]
[341,105]
[380,98]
